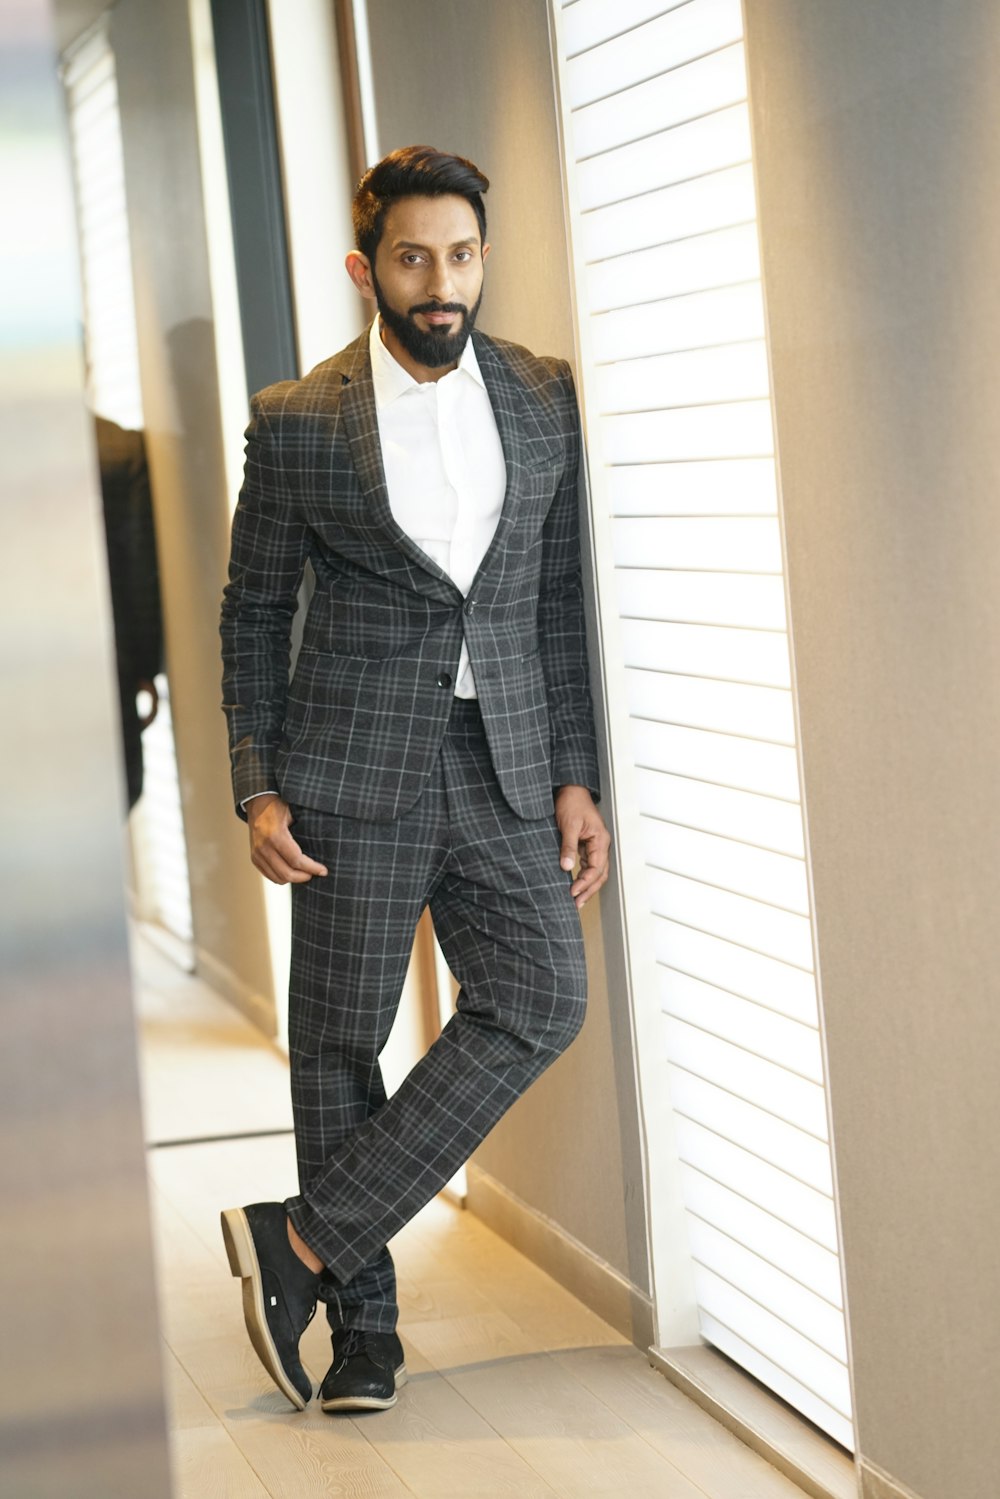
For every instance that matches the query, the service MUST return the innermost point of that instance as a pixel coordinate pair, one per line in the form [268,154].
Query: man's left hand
[584,837]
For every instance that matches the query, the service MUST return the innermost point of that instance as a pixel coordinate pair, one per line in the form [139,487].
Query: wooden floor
[515,1387]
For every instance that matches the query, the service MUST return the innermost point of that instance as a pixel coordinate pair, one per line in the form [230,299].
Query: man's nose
[440,285]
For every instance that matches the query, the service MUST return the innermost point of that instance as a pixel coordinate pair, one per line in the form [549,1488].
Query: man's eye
[464,255]
[411,259]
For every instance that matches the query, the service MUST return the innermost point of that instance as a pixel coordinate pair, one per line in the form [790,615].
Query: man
[435,747]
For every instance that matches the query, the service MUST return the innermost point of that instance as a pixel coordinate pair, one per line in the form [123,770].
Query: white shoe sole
[244,1264]
[365,1402]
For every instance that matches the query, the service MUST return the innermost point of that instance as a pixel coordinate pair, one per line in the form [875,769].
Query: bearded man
[435,748]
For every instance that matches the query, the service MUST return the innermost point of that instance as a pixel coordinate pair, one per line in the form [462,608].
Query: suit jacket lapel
[360,417]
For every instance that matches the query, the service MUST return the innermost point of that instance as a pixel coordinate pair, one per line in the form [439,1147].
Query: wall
[81,1396]
[877,133]
[185,441]
[493,101]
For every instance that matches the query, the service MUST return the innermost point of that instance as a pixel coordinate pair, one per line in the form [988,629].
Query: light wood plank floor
[515,1387]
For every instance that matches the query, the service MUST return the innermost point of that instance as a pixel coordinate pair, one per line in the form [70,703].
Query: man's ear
[486,250]
[358,268]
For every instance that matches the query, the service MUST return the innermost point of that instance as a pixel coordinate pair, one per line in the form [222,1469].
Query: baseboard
[759,1418]
[592,1280]
[877,1484]
[258,1009]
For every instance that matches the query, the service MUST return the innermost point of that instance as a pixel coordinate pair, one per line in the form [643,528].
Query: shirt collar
[391,380]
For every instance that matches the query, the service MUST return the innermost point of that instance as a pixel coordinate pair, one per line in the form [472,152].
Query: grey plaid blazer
[357,730]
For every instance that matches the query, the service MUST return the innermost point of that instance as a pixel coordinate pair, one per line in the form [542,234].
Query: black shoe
[279,1292]
[366,1372]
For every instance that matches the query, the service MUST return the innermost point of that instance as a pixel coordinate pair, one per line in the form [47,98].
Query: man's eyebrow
[460,244]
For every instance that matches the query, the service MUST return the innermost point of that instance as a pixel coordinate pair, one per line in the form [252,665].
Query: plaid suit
[409,796]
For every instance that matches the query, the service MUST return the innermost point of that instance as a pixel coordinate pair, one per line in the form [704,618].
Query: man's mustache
[439,307]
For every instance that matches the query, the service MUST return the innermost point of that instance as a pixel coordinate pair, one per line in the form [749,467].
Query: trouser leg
[352,934]
[511,933]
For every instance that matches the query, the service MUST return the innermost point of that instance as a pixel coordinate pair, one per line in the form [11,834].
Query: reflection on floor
[515,1387]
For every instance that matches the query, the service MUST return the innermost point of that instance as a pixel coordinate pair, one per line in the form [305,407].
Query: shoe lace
[351,1341]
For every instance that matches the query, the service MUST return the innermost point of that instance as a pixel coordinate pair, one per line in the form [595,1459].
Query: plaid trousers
[510,931]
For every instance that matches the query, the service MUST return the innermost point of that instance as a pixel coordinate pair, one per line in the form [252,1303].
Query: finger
[591,879]
[569,852]
[286,848]
[274,868]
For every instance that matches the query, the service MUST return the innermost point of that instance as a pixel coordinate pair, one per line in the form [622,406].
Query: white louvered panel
[720,257]
[736,543]
[695,803]
[770,1288]
[694,703]
[751,601]
[775,1378]
[707,650]
[698,146]
[737,918]
[723,758]
[688,547]
[733,486]
[745,1023]
[785,1248]
[591,21]
[665,42]
[718,201]
[784,1196]
[734,372]
[710,83]
[755,1129]
[790,1349]
[696,321]
[775,878]
[770,981]
[739,1072]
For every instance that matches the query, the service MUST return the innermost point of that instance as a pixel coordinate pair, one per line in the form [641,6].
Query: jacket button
[444,679]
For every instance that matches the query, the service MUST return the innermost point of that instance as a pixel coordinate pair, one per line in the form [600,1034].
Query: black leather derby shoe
[279,1292]
[366,1372]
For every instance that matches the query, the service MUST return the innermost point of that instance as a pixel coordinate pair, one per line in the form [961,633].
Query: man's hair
[410,172]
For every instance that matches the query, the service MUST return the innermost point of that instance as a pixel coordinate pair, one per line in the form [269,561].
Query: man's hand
[272,848]
[584,837]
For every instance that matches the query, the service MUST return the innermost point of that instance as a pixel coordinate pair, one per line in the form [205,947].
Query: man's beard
[436,346]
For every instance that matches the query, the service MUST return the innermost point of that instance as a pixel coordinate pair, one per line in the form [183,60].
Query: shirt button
[444,679]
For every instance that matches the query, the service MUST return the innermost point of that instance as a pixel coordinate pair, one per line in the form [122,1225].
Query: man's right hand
[272,848]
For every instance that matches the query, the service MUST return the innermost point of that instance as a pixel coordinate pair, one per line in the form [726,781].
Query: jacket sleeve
[270,545]
[561,626]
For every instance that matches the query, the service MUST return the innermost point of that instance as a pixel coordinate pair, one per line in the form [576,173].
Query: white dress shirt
[444,466]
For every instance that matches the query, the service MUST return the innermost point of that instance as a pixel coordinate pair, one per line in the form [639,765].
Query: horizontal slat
[799,1206]
[737,918]
[765,1084]
[743,600]
[754,1027]
[675,155]
[730,372]
[718,258]
[650,49]
[714,202]
[785,1247]
[781,986]
[723,758]
[696,703]
[730,430]
[775,878]
[711,651]
[710,83]
[591,21]
[737,543]
[819,1371]
[774,1140]
[756,819]
[732,486]
[811,1405]
[695,321]
[770,1288]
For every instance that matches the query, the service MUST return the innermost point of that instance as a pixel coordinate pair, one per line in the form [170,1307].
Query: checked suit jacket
[357,729]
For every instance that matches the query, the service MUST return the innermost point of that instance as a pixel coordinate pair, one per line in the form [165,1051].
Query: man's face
[428,278]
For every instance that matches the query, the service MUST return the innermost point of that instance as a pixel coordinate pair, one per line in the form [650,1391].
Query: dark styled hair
[410,172]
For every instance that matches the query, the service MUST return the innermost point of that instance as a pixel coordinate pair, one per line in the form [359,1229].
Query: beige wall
[877,132]
[180,389]
[570,1148]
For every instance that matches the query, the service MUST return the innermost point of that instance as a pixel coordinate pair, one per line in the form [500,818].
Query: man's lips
[438,319]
